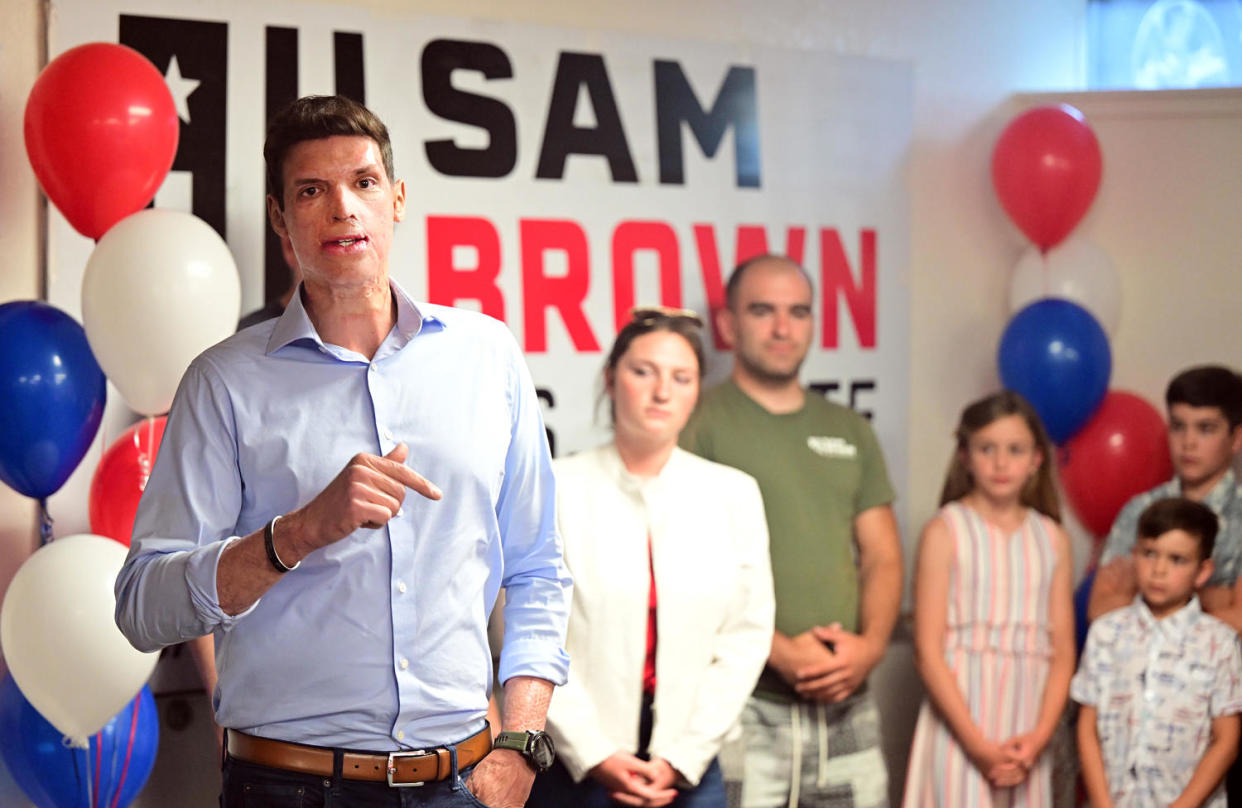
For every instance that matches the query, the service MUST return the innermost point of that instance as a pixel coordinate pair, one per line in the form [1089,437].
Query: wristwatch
[534,745]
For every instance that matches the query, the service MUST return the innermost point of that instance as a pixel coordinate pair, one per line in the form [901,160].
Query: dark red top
[649,676]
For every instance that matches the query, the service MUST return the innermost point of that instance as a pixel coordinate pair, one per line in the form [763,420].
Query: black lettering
[562,138]
[735,106]
[440,58]
[280,88]
[545,395]
[350,78]
[856,388]
[825,389]
[201,50]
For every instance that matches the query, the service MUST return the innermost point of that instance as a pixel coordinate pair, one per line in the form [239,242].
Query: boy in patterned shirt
[1161,681]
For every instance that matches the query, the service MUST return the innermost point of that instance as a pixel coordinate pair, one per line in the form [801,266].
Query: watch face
[542,752]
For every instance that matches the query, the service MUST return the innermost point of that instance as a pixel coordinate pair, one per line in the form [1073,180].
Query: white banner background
[833,138]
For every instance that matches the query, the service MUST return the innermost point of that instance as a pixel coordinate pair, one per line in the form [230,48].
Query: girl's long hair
[1040,492]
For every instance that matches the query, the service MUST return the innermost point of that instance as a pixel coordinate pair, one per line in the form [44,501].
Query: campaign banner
[556,177]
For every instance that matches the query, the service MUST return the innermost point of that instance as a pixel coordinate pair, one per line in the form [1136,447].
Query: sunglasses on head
[645,315]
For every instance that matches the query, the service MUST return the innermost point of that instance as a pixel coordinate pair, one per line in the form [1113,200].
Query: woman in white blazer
[672,609]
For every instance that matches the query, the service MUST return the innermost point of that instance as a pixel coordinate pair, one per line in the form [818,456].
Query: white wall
[1166,210]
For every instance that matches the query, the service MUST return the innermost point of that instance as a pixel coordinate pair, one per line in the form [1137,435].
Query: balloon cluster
[101,131]
[1066,299]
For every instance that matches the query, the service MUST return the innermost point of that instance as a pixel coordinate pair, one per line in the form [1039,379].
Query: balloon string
[129,750]
[83,782]
[45,523]
[98,766]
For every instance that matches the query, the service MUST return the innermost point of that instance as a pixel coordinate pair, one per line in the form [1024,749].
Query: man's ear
[726,324]
[276,216]
[1237,440]
[398,200]
[1206,568]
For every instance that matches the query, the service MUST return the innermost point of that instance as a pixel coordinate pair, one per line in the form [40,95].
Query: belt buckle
[392,768]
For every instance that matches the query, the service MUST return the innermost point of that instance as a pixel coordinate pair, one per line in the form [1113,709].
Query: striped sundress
[998,645]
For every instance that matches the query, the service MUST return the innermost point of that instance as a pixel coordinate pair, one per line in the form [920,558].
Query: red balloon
[1122,451]
[1046,169]
[122,476]
[101,133]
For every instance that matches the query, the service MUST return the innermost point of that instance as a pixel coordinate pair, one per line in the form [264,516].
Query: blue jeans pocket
[249,786]
[272,795]
[468,795]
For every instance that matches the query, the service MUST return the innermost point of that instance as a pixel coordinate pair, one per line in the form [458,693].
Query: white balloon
[1077,270]
[60,641]
[160,287]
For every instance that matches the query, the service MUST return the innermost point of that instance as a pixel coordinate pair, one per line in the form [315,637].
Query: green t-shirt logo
[831,446]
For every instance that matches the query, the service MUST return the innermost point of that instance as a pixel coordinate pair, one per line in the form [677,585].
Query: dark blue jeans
[247,785]
[556,789]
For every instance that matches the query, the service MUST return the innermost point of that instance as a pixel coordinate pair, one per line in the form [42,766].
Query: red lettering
[838,279]
[565,293]
[629,238]
[751,240]
[448,283]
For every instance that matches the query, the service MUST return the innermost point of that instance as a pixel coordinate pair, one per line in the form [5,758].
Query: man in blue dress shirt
[350,618]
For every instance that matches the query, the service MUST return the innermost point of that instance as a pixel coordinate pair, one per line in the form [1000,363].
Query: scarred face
[340,208]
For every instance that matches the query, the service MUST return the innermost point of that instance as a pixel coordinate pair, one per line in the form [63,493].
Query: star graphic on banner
[181,88]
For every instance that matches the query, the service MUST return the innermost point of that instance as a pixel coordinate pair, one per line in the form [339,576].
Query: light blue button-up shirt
[378,641]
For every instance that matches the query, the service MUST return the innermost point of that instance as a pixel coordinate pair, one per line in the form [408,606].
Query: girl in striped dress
[993,617]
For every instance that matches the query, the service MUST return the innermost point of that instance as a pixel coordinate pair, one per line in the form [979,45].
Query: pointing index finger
[408,477]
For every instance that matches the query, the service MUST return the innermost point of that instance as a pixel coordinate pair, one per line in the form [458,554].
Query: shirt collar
[1175,624]
[1222,493]
[295,324]
[633,483]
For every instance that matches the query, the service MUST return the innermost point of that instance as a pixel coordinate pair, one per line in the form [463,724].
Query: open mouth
[346,242]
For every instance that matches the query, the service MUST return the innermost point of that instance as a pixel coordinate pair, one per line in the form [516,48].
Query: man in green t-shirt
[811,731]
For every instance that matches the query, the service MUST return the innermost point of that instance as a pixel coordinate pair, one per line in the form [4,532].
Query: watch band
[270,545]
[534,745]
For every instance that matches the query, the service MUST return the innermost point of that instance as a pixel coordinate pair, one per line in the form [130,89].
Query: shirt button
[371,368]
[387,434]
[400,735]
[401,587]
[405,663]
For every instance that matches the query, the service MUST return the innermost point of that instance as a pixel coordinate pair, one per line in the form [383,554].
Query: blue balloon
[51,396]
[1082,595]
[1055,354]
[54,776]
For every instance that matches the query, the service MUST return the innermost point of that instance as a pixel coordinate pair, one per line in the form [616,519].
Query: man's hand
[366,493]
[501,780]
[791,655]
[633,781]
[834,678]
[1118,576]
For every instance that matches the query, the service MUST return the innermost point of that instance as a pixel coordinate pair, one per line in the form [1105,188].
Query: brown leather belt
[403,768]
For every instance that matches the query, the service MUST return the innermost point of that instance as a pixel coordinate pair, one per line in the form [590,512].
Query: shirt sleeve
[1085,686]
[742,644]
[874,488]
[166,590]
[1227,689]
[537,583]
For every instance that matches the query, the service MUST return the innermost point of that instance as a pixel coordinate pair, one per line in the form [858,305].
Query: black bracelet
[270,546]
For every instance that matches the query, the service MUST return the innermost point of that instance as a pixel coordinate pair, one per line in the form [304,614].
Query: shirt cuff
[540,659]
[200,578]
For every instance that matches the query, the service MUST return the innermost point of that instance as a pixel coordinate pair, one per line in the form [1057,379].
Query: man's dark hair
[1179,513]
[313,117]
[735,277]
[1208,386]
